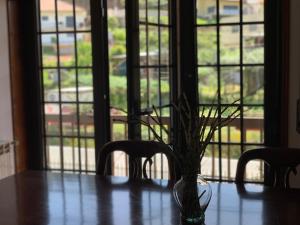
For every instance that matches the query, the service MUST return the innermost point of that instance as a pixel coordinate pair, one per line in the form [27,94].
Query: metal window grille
[231,57]
[67,84]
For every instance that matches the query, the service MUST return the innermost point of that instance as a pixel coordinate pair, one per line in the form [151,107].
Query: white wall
[6,128]
[294,137]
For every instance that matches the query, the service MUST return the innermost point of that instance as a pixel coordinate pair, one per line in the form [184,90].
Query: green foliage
[118,83]
[118,91]
[84,50]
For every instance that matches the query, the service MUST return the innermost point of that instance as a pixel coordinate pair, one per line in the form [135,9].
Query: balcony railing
[119,130]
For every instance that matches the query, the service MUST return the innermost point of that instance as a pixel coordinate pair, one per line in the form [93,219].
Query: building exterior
[65,23]
[253,11]
[228,8]
[65,15]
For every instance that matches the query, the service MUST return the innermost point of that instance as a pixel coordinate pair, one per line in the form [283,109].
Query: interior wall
[294,86]
[6,127]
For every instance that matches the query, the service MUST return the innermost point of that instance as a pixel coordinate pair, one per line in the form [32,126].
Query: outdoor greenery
[230,82]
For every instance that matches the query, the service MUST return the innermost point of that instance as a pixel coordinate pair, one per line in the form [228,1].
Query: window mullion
[100,74]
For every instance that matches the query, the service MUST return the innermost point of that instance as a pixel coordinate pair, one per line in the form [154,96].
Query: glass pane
[164,89]
[153,45]
[52,119]
[65,13]
[230,44]
[254,171]
[144,58]
[253,43]
[86,112]
[120,164]
[85,85]
[52,109]
[83,15]
[206,12]
[47,14]
[207,45]
[68,85]
[208,84]
[164,45]
[230,84]
[67,49]
[229,11]
[50,84]
[254,124]
[152,10]
[210,162]
[215,137]
[119,129]
[87,154]
[69,116]
[164,11]
[253,84]
[49,50]
[253,10]
[70,153]
[53,153]
[84,49]
[149,87]
[142,10]
[230,156]
[118,66]
[159,169]
[255,168]
[232,132]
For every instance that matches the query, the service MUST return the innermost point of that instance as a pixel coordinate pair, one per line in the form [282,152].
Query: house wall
[49,23]
[294,89]
[6,127]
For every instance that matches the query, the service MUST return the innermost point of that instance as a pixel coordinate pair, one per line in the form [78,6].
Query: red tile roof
[62,6]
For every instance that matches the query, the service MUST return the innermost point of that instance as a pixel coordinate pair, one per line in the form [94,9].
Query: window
[67,85]
[231,64]
[155,27]
[68,76]
[69,21]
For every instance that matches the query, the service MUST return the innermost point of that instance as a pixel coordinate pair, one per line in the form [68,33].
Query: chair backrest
[136,151]
[282,161]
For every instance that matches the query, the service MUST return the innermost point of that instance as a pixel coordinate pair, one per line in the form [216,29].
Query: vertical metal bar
[174,68]
[133,62]
[219,89]
[100,74]
[77,84]
[73,148]
[228,151]
[59,88]
[41,73]
[213,161]
[242,78]
[86,150]
[159,82]
[147,61]
[133,72]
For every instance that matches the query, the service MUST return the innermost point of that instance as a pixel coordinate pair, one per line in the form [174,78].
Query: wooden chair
[136,151]
[281,162]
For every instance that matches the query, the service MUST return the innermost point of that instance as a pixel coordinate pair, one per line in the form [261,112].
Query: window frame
[275,114]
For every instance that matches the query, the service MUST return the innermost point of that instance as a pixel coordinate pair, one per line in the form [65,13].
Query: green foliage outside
[207,43]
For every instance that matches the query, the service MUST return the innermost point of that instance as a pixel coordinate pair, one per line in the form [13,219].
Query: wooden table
[36,198]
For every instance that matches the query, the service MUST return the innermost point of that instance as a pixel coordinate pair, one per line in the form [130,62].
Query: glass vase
[192,194]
